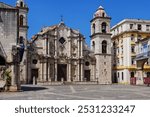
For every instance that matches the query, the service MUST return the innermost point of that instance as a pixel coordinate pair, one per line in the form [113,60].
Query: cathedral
[56,54]
[61,54]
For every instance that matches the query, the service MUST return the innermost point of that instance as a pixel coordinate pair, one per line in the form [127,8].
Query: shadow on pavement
[32,88]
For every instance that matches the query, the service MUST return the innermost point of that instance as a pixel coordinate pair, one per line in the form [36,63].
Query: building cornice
[129,31]
[100,34]
[100,18]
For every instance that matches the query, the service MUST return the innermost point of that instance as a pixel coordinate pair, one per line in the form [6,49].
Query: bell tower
[23,19]
[101,45]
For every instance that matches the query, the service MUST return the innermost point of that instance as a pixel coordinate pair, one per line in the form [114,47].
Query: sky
[78,13]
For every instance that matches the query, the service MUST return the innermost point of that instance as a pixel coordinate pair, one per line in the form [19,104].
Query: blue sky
[78,13]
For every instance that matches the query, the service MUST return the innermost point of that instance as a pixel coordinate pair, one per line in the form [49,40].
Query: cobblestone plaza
[79,92]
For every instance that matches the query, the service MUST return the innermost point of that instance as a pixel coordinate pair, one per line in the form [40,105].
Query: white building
[125,36]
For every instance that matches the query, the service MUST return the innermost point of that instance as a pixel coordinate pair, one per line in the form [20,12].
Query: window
[1,19]
[62,40]
[104,25]
[118,74]
[21,20]
[148,74]
[122,50]
[21,40]
[118,62]
[139,27]
[21,4]
[133,49]
[87,63]
[122,76]
[117,50]
[121,61]
[93,27]
[103,15]
[139,37]
[132,37]
[35,61]
[132,74]
[131,26]
[104,47]
[132,61]
[147,27]
[93,45]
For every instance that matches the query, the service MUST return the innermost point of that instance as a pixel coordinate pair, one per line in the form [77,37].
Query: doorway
[62,72]
[2,61]
[34,76]
[87,75]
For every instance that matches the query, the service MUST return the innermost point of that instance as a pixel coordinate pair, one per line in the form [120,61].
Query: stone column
[81,48]
[94,72]
[69,42]
[82,71]
[55,70]
[13,80]
[78,48]
[50,72]
[69,71]
[55,47]
[78,69]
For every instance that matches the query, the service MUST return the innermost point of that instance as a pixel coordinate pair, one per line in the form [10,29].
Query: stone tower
[23,18]
[101,45]
[23,35]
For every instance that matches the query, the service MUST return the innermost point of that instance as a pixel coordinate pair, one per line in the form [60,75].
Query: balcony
[142,56]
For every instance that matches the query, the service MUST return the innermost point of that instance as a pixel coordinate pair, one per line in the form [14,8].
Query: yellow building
[125,36]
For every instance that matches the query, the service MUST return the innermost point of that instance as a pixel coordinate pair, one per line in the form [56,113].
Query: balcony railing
[144,55]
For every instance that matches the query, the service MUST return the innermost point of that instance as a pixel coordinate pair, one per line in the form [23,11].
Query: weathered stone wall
[8,31]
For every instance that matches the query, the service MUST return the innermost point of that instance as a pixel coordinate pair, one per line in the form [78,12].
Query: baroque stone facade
[62,54]
[57,53]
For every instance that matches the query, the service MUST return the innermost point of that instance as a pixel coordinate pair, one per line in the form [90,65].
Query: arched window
[103,14]
[93,28]
[21,20]
[104,47]
[104,27]
[21,4]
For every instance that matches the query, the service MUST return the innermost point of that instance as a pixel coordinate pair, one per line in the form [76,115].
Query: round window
[34,61]
[87,63]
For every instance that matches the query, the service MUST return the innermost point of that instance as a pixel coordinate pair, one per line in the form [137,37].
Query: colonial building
[13,36]
[62,54]
[126,37]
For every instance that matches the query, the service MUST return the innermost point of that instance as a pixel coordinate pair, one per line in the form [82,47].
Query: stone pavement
[79,92]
